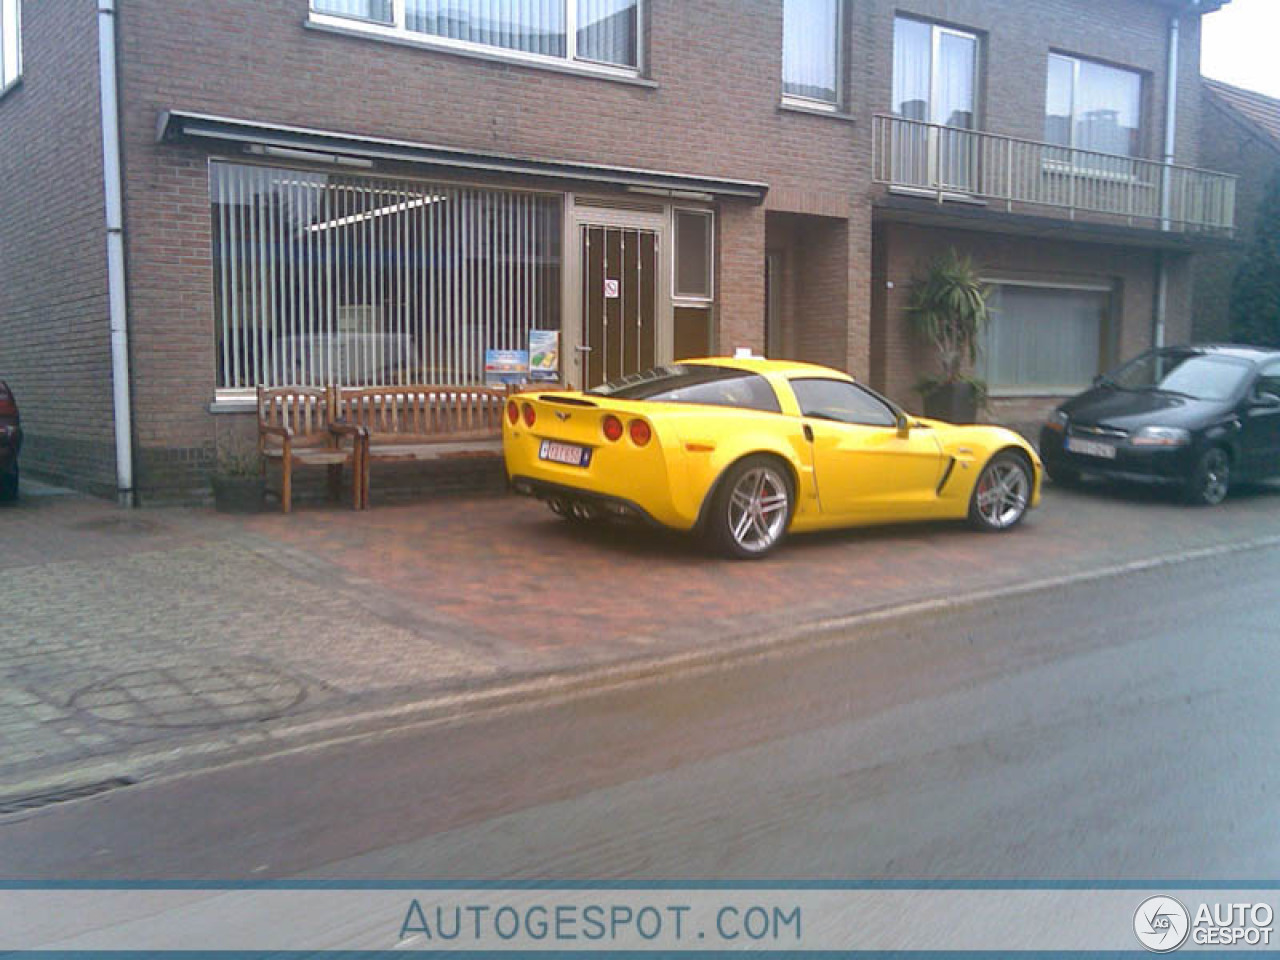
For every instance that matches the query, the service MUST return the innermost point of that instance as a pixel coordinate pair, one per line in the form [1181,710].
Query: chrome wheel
[1212,478]
[753,508]
[1002,494]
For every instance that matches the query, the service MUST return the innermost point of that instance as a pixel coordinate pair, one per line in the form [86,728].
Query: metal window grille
[324,278]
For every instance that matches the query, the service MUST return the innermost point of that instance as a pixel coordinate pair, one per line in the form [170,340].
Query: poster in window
[544,356]
[502,367]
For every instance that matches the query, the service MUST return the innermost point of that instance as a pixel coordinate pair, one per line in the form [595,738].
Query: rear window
[694,383]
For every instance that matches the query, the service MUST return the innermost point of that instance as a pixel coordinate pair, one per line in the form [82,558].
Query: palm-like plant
[949,306]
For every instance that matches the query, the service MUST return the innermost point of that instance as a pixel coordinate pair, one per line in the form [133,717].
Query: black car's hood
[1131,409]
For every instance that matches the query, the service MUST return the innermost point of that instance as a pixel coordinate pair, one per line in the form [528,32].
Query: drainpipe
[117,301]
[1166,198]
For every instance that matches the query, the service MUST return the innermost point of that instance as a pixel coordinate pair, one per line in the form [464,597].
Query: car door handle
[808,433]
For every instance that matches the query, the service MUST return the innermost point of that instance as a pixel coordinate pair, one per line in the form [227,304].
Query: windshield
[695,383]
[1196,375]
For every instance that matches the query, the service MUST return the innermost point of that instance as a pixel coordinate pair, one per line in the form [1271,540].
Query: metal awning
[179,126]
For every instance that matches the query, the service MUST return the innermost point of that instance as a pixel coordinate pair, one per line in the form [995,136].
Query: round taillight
[612,428]
[529,415]
[640,433]
[513,412]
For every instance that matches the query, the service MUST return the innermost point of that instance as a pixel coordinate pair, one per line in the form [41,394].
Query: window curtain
[1040,338]
[1107,109]
[956,66]
[378,11]
[607,31]
[810,44]
[912,69]
[1058,106]
[532,26]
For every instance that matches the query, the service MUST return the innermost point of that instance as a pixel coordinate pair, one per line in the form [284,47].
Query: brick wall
[714,111]
[54,331]
[903,357]
[1233,145]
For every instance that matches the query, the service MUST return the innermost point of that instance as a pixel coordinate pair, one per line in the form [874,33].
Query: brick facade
[54,331]
[709,104]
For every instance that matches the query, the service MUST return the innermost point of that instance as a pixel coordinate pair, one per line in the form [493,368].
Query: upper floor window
[935,74]
[811,50]
[604,32]
[1090,106]
[10,42]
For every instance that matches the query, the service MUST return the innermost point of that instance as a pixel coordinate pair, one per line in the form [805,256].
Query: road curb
[149,765]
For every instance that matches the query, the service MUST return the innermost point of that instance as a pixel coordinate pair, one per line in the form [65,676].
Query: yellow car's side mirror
[904,425]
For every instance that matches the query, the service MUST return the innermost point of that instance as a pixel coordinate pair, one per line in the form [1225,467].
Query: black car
[10,443]
[1199,417]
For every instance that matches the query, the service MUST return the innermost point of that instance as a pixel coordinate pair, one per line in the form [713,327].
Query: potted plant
[238,484]
[949,306]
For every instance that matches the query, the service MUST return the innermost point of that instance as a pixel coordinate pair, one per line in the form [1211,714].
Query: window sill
[232,403]
[814,110]
[13,85]
[489,56]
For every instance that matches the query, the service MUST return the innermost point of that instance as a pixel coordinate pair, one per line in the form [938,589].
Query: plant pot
[952,402]
[239,494]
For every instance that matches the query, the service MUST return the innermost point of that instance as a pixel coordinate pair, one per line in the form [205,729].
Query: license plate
[568,453]
[1091,448]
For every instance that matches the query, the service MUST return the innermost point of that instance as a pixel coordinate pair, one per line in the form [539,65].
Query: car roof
[764,365]
[1239,351]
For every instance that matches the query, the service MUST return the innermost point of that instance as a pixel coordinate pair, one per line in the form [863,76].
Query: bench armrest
[345,429]
[284,433]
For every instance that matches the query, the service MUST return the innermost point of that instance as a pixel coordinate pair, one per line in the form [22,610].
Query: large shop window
[10,42]
[1090,106]
[322,278]
[811,50]
[593,31]
[1043,339]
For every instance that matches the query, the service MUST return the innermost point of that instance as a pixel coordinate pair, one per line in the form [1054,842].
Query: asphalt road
[1122,729]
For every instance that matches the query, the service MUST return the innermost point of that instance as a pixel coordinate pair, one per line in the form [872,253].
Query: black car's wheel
[1002,493]
[752,508]
[1063,475]
[1210,480]
[9,484]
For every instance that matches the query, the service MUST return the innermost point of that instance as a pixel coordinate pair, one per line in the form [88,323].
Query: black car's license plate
[1091,448]
[567,453]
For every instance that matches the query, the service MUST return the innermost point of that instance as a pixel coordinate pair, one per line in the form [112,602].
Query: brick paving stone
[119,626]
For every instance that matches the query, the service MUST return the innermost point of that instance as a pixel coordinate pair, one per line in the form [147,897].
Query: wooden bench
[296,427]
[418,423]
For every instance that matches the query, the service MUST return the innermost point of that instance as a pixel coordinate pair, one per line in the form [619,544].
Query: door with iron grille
[621,302]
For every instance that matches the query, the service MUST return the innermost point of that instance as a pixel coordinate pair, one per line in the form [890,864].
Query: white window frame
[686,299]
[399,32]
[5,87]
[1076,63]
[936,33]
[813,103]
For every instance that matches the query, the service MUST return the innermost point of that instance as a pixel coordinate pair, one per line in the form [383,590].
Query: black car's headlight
[1161,437]
[1058,421]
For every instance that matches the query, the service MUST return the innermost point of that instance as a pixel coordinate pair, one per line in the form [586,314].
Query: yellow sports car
[745,450]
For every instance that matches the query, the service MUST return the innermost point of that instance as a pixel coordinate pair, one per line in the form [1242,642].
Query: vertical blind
[810,49]
[359,281]
[602,31]
[1043,338]
[379,11]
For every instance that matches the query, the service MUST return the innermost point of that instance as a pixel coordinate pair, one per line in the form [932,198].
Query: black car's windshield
[695,383]
[1196,375]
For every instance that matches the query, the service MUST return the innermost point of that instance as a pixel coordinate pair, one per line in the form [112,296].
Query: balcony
[953,164]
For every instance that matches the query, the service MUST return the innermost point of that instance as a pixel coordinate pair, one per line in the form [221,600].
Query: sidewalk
[178,631]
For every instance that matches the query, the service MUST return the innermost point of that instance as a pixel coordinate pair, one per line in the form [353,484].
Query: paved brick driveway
[160,627]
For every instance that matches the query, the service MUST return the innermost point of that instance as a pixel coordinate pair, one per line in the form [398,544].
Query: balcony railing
[955,164]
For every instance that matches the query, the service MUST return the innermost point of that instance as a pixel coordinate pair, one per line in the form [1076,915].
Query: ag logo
[1162,924]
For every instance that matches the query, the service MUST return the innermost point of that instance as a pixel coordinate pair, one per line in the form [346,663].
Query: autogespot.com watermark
[1162,924]
[607,923]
